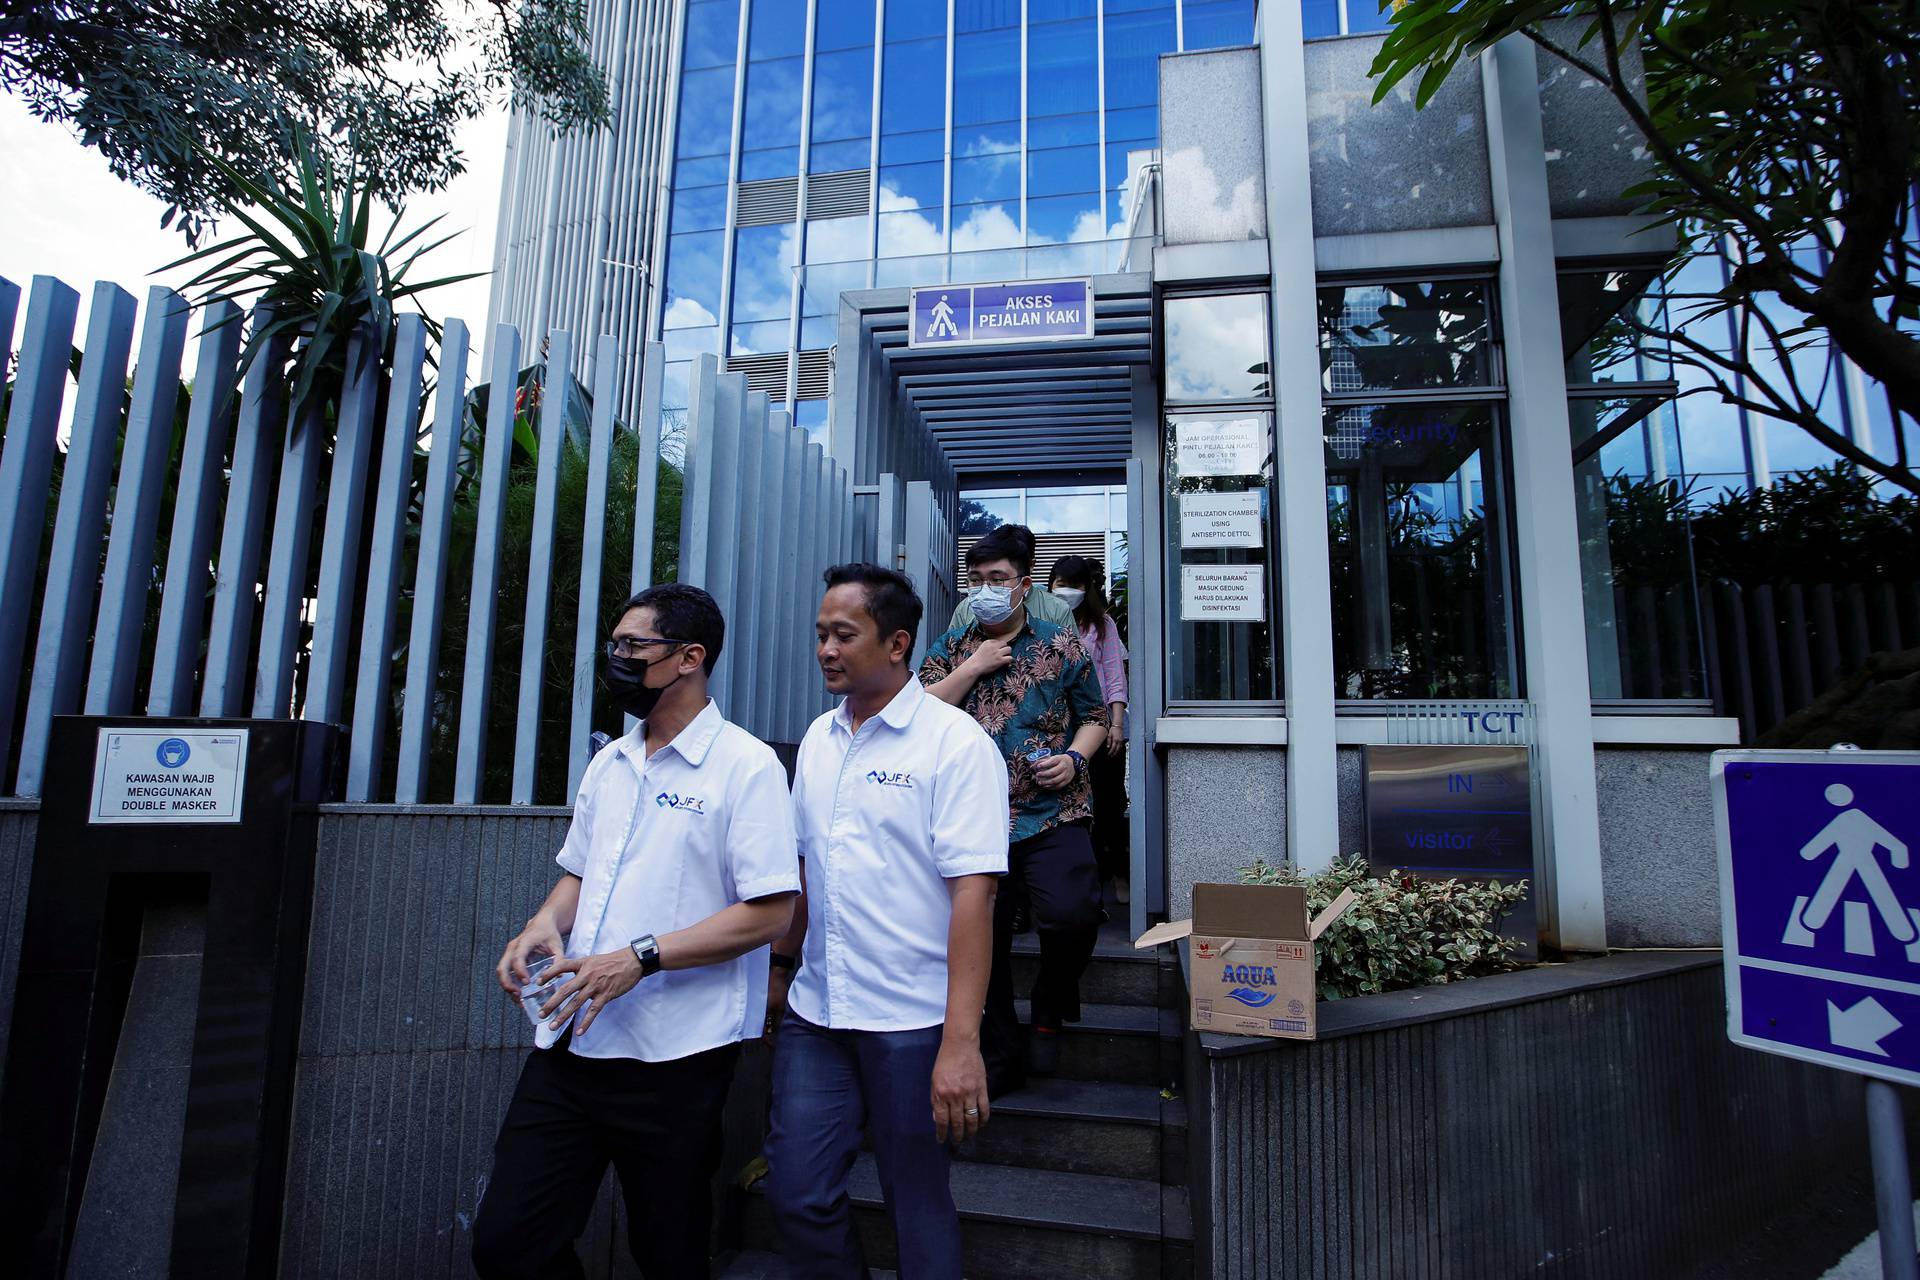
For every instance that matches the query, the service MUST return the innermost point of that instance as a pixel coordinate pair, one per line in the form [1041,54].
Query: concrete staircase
[1083,1174]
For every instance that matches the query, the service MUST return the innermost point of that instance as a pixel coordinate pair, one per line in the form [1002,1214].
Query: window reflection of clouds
[712,38]
[843,24]
[811,417]
[761,275]
[762,337]
[693,279]
[983,178]
[1216,347]
[706,112]
[842,96]
[986,77]
[913,86]
[1060,69]
[1063,171]
[776,30]
[770,120]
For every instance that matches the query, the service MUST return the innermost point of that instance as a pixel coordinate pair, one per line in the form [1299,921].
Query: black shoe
[1043,1049]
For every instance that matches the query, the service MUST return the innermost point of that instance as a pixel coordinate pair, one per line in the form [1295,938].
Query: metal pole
[1892,1187]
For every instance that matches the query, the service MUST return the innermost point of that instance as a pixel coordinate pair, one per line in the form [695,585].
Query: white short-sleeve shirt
[887,816]
[661,843]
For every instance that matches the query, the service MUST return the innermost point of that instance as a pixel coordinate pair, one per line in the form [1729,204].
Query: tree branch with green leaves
[162,88]
[1786,132]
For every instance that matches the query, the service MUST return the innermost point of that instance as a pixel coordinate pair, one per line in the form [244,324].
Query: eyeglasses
[634,646]
[993,580]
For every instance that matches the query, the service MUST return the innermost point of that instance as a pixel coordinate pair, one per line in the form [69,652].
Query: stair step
[1030,1224]
[758,1264]
[1110,980]
[1128,1044]
[1085,1126]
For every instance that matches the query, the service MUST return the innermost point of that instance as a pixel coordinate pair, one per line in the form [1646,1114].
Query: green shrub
[1400,931]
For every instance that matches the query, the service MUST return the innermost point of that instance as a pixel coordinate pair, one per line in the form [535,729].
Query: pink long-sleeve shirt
[1102,642]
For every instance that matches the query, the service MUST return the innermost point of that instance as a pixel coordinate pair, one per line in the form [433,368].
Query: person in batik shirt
[1032,687]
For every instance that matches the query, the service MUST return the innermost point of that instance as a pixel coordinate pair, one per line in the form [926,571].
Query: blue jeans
[826,1084]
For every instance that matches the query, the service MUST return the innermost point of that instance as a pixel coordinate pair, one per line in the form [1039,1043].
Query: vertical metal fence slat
[1826,637]
[646,476]
[394,483]
[593,537]
[1853,632]
[770,518]
[1886,617]
[334,621]
[284,597]
[794,584]
[748,546]
[1733,609]
[73,561]
[724,463]
[556,389]
[136,505]
[26,469]
[1770,695]
[430,569]
[497,455]
[696,494]
[196,506]
[1798,654]
[256,450]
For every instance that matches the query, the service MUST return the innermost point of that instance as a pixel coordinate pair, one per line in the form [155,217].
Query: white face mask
[992,604]
[1072,596]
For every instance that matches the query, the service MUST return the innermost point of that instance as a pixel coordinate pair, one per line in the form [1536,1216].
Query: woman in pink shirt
[1080,582]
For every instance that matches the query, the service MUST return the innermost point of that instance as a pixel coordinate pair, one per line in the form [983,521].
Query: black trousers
[1055,872]
[658,1123]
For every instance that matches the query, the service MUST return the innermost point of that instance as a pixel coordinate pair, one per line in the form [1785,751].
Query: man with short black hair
[900,803]
[679,869]
[1032,687]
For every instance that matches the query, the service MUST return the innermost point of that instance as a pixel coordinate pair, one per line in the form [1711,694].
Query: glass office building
[845,144]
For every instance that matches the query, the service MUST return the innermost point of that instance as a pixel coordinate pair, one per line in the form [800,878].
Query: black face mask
[626,681]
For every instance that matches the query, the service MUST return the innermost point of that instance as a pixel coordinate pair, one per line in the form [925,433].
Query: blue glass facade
[998,145]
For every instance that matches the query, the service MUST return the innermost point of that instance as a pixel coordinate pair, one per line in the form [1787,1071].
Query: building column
[1313,827]
[1553,613]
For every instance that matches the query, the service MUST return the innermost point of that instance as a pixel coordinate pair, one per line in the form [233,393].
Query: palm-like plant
[306,257]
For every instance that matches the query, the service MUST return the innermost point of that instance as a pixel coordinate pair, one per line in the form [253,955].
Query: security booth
[149,1075]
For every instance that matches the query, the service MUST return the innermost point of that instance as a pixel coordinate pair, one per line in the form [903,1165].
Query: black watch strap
[646,949]
[789,963]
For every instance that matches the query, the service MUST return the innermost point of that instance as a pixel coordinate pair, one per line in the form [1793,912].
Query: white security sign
[1220,446]
[1223,593]
[1220,519]
[168,775]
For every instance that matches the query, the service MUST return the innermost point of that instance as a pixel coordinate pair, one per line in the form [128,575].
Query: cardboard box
[1250,962]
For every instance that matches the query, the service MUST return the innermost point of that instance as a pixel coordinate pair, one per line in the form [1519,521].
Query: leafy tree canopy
[1787,130]
[159,86]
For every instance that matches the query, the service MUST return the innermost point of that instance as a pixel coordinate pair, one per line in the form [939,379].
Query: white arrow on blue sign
[969,315]
[1820,905]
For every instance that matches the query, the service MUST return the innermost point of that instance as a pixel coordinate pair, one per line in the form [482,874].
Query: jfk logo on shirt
[686,804]
[884,778]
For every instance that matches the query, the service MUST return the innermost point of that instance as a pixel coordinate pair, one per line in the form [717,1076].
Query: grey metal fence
[1772,648]
[402,561]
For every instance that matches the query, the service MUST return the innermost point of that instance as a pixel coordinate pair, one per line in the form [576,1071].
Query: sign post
[1820,922]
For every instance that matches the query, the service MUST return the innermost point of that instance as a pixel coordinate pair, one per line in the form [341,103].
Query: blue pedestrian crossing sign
[969,315]
[1820,905]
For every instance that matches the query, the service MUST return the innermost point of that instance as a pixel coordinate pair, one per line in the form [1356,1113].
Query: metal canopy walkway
[1029,409]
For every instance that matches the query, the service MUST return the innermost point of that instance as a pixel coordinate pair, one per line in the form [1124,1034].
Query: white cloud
[687,313]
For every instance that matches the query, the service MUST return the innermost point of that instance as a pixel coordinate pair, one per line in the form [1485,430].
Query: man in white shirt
[901,803]
[680,868]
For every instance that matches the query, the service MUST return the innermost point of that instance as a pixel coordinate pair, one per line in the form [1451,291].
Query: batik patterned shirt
[1038,700]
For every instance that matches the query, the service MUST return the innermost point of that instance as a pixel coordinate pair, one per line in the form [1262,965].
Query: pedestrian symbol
[1820,905]
[942,326]
[1855,839]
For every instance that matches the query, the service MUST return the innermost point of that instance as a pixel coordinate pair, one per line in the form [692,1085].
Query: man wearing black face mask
[681,866]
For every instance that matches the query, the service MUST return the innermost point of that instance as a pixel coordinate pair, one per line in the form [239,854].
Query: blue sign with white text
[1820,905]
[948,315]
